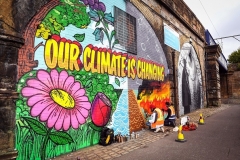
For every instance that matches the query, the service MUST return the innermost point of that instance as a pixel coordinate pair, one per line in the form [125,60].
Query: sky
[221,18]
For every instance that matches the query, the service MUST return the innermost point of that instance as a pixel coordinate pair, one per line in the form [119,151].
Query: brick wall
[233,82]
[179,17]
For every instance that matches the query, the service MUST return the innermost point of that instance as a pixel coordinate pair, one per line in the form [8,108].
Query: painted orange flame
[157,98]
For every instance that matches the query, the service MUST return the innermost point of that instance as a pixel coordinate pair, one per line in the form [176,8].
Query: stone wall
[213,76]
[14,16]
[178,16]
[10,42]
[233,85]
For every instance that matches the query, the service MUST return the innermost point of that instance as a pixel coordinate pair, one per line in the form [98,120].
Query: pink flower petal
[81,99]
[54,117]
[74,88]
[83,111]
[86,105]
[34,83]
[29,91]
[47,111]
[54,76]
[79,93]
[40,106]
[80,118]
[66,123]
[38,93]
[74,120]
[62,78]
[35,98]
[68,83]
[60,120]
[45,78]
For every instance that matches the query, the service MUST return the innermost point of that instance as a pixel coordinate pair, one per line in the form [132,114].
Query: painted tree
[68,12]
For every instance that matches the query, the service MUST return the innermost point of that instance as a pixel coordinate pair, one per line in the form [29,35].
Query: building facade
[72,67]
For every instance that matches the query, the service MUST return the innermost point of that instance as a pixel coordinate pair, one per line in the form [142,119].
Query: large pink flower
[57,99]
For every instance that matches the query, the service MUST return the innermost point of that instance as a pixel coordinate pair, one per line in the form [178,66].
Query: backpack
[106,136]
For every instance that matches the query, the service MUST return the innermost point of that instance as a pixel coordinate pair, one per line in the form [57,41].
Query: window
[125,26]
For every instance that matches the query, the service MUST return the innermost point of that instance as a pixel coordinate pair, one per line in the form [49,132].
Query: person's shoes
[175,129]
[157,130]
[162,129]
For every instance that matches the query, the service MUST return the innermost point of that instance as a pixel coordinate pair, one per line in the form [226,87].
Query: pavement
[140,147]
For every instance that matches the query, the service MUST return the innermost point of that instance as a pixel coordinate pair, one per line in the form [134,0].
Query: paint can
[132,135]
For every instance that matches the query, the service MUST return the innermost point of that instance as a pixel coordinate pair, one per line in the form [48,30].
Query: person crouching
[171,117]
[156,120]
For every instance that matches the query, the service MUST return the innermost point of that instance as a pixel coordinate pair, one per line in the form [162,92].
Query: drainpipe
[174,84]
[206,70]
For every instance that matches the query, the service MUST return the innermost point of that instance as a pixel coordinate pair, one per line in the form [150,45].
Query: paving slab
[164,146]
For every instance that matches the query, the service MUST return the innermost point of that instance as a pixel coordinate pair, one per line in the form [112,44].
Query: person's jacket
[171,113]
[157,118]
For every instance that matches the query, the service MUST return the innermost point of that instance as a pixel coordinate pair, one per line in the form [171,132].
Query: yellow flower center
[62,98]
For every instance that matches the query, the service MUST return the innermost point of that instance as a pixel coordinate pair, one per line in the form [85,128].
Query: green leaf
[97,24]
[79,37]
[89,89]
[88,84]
[36,126]
[19,102]
[112,34]
[60,137]
[117,81]
[115,42]
[96,128]
[105,24]
[234,57]
[118,93]
[101,13]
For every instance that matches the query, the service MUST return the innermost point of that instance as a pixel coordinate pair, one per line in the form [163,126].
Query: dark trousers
[169,122]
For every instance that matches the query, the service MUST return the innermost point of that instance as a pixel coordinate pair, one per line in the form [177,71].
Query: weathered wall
[231,85]
[235,85]
[213,76]
[10,42]
[179,17]
[23,11]
[75,78]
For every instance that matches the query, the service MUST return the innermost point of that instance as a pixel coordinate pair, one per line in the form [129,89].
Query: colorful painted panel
[189,80]
[73,81]
[148,92]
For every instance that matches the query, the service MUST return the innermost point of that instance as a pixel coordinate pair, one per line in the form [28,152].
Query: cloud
[221,19]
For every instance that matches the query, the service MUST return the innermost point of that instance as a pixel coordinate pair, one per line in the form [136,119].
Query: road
[218,139]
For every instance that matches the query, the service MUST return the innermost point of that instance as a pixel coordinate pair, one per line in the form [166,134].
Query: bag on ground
[106,136]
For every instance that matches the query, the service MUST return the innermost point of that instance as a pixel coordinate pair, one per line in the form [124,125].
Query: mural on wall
[73,81]
[189,80]
[147,92]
